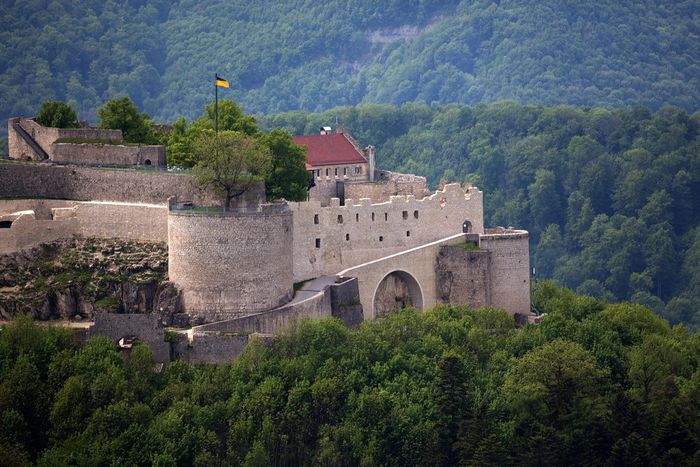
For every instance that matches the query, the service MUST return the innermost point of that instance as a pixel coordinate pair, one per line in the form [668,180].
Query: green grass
[469,246]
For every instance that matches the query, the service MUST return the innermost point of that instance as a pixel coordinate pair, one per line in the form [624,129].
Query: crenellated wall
[330,239]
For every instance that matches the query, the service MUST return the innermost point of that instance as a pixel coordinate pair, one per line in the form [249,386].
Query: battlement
[331,238]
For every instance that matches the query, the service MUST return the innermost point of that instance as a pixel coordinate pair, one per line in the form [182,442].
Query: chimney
[369,154]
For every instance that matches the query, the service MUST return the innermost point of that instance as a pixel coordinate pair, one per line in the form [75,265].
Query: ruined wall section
[464,277]
[510,269]
[389,184]
[330,239]
[233,264]
[34,180]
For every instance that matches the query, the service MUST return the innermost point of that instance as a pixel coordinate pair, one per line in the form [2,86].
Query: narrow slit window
[372,217]
[340,218]
[408,233]
[381,239]
[347,237]
[386,216]
[318,243]
[315,218]
[357,218]
[415,214]
[404,215]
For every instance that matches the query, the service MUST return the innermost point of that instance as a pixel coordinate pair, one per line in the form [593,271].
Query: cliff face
[74,279]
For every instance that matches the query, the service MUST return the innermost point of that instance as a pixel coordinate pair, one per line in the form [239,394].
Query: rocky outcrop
[74,279]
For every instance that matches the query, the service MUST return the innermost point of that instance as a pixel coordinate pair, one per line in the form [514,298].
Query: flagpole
[216,104]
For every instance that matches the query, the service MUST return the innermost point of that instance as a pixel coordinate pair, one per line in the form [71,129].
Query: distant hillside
[286,55]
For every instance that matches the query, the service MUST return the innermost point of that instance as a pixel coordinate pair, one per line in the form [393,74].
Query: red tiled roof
[332,149]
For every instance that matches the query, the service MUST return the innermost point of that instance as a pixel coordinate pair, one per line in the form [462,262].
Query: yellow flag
[222,83]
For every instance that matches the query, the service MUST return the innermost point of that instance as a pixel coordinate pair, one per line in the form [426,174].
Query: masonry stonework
[464,277]
[510,269]
[32,180]
[231,264]
[333,238]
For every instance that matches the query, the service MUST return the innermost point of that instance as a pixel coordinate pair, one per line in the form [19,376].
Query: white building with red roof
[336,157]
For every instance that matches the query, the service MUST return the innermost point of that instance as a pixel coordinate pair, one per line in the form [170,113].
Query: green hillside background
[303,55]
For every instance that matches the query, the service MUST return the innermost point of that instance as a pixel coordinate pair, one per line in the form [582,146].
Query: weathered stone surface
[167,305]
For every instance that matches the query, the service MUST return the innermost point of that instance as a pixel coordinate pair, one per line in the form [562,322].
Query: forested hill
[292,54]
[609,196]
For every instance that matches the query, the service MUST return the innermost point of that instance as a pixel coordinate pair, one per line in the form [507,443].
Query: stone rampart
[62,219]
[209,348]
[108,154]
[330,239]
[510,269]
[464,277]
[38,180]
[232,264]
[134,328]
[111,152]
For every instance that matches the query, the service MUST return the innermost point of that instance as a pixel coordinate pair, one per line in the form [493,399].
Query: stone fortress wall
[330,239]
[29,223]
[82,153]
[39,180]
[510,268]
[231,264]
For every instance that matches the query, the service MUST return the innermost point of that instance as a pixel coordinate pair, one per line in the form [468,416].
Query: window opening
[315,218]
[318,243]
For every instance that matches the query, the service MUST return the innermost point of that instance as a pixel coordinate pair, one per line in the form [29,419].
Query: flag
[221,82]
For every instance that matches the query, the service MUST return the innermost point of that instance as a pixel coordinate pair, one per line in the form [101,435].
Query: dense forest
[593,384]
[609,196]
[291,55]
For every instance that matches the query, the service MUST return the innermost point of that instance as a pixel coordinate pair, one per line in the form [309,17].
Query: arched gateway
[397,290]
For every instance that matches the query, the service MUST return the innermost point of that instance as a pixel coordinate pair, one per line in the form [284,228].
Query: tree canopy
[592,384]
[282,56]
[229,163]
[122,114]
[57,115]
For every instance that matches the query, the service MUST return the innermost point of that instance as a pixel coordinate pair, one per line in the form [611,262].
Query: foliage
[57,115]
[229,163]
[122,114]
[286,178]
[593,384]
[607,195]
[315,56]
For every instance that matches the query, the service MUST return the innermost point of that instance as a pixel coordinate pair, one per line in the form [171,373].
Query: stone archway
[396,290]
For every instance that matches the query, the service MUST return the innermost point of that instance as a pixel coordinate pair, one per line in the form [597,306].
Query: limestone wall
[209,348]
[145,328]
[38,180]
[108,154]
[510,269]
[232,264]
[389,184]
[41,221]
[464,277]
[140,222]
[330,239]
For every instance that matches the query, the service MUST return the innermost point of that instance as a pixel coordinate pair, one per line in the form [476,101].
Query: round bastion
[231,264]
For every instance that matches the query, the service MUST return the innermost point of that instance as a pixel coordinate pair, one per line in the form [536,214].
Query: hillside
[607,195]
[593,384]
[292,55]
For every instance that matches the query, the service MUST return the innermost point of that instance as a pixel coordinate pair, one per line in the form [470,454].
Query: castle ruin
[367,242]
